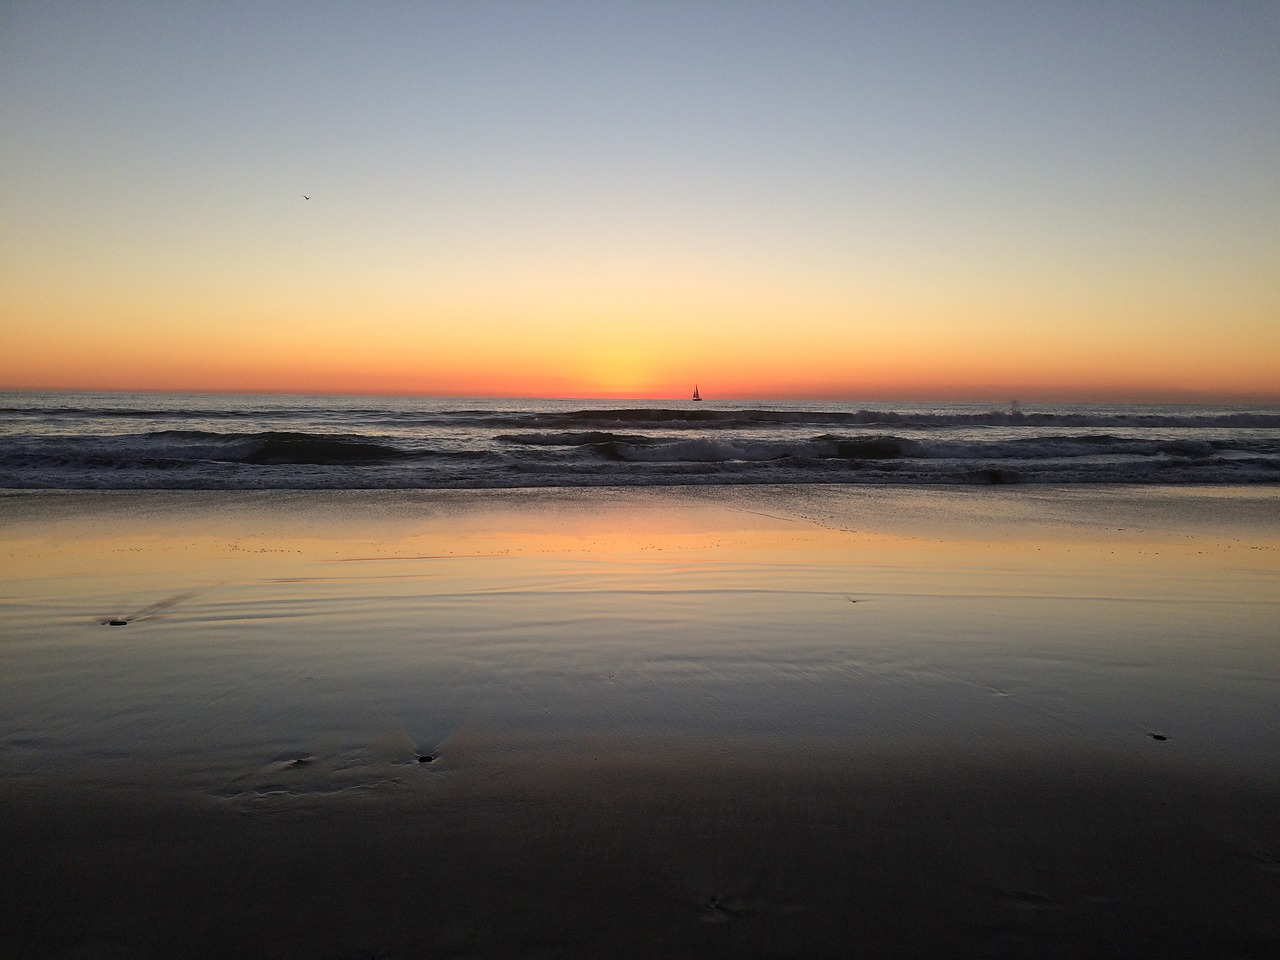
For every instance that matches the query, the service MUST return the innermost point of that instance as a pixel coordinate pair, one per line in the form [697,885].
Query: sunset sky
[804,200]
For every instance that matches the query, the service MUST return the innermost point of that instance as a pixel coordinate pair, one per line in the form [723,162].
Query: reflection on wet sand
[641,724]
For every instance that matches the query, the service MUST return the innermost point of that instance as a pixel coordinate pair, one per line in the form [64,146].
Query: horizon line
[1050,397]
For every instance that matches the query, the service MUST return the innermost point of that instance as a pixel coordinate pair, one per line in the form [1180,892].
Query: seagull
[305,197]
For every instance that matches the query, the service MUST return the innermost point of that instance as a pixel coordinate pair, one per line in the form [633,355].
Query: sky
[911,200]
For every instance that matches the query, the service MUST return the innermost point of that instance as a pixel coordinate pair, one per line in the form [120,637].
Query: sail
[695,392]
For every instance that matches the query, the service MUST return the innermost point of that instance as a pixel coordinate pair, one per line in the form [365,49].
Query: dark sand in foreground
[735,723]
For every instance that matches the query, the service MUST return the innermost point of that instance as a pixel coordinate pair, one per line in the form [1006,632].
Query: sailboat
[695,392]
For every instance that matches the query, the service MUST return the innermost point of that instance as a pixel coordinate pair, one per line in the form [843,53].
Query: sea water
[216,441]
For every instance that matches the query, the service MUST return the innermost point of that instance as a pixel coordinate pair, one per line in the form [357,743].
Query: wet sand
[678,723]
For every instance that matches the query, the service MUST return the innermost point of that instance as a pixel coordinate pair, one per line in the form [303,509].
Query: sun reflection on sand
[689,712]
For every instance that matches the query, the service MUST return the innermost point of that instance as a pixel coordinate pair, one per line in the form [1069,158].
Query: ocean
[228,442]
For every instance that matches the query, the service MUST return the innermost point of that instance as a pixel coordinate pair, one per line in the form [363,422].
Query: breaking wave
[189,442]
[178,447]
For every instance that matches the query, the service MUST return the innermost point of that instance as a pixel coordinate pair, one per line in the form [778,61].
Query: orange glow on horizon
[630,383]
[734,352]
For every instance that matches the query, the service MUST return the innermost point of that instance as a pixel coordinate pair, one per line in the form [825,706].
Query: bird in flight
[305,197]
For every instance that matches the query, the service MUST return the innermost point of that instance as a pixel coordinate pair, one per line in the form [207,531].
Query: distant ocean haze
[186,441]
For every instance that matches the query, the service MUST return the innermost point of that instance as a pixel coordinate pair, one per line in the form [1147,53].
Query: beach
[706,721]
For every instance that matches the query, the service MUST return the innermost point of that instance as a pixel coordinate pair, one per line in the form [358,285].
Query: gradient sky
[811,200]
